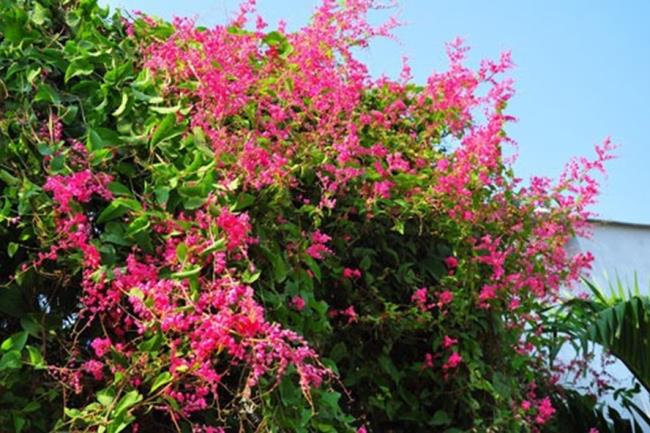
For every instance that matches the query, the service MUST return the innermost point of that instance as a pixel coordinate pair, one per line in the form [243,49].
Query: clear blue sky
[583,72]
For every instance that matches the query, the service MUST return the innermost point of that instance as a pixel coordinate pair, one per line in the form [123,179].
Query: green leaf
[117,208]
[19,423]
[78,69]
[106,396]
[152,344]
[138,225]
[279,42]
[15,342]
[12,248]
[440,418]
[250,278]
[119,423]
[118,188]
[47,93]
[8,178]
[191,203]
[39,14]
[99,138]
[162,380]
[181,251]
[122,107]
[165,110]
[187,273]
[162,195]
[218,245]
[243,201]
[165,130]
[129,400]
[11,360]
[35,358]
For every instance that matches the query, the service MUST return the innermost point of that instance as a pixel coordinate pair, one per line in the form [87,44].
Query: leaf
[181,251]
[46,93]
[188,273]
[162,380]
[12,248]
[243,201]
[10,360]
[117,208]
[166,110]
[118,188]
[164,130]
[162,195]
[15,342]
[122,107]
[138,225]
[39,14]
[35,358]
[99,138]
[129,400]
[19,423]
[8,178]
[250,278]
[152,344]
[279,42]
[106,396]
[440,418]
[119,423]
[78,69]
[191,203]
[218,245]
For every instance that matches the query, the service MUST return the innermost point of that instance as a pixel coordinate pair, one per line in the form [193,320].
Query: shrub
[237,229]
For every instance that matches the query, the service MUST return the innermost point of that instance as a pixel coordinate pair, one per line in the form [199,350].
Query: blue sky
[583,72]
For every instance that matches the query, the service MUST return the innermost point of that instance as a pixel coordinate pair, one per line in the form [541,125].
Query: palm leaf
[622,325]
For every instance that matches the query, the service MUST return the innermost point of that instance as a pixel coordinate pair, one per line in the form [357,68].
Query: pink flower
[101,346]
[95,368]
[382,189]
[453,361]
[545,411]
[318,249]
[526,405]
[350,313]
[420,298]
[487,292]
[236,228]
[78,186]
[362,429]
[445,297]
[451,262]
[447,341]
[298,303]
[351,273]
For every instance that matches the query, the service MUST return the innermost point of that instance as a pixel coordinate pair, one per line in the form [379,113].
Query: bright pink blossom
[101,346]
[298,303]
[351,273]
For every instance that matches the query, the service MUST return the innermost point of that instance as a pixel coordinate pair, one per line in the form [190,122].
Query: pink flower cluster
[318,248]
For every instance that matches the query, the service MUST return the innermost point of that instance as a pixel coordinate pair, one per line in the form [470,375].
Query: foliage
[236,229]
[615,320]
